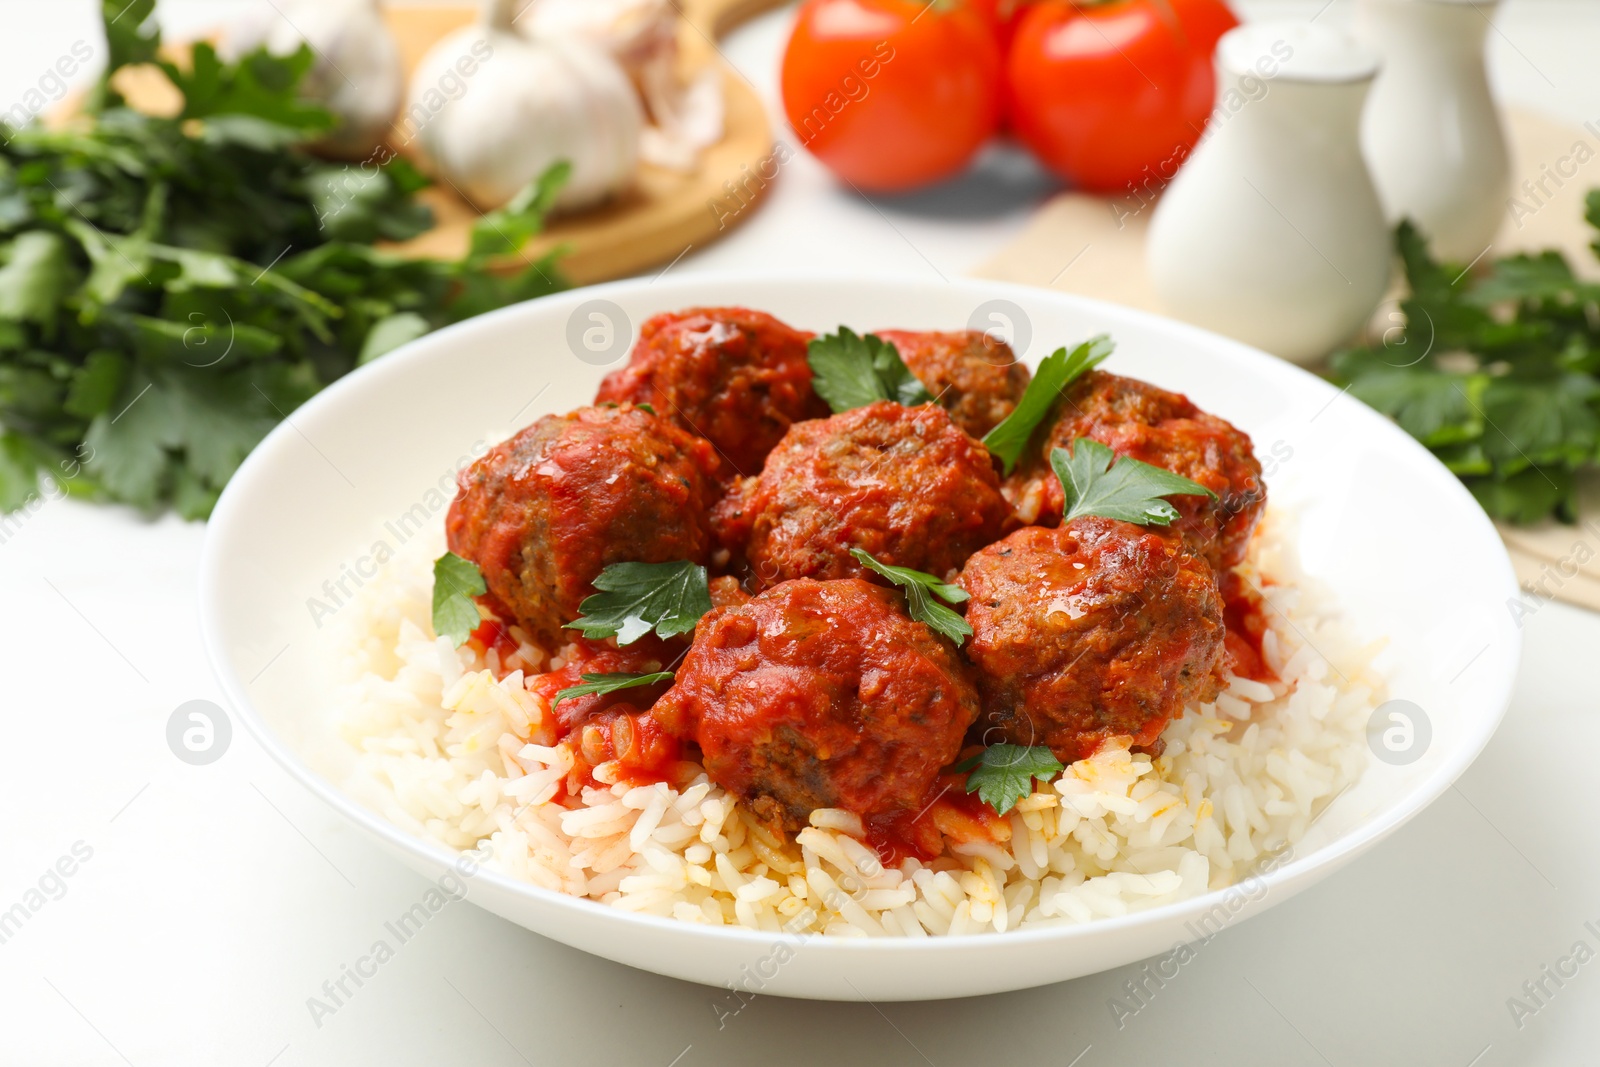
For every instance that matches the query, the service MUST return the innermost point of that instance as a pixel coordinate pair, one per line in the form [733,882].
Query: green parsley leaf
[390,333]
[1095,482]
[636,598]
[455,582]
[1541,421]
[609,683]
[19,472]
[899,384]
[1528,496]
[849,372]
[1436,407]
[35,277]
[366,203]
[1056,371]
[918,585]
[219,419]
[261,85]
[1496,369]
[1544,277]
[1005,773]
[130,442]
[1435,302]
[128,39]
[503,232]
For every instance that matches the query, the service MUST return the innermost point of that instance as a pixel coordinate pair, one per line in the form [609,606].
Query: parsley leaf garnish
[1004,773]
[608,683]
[921,607]
[636,598]
[1095,482]
[1056,371]
[851,372]
[455,582]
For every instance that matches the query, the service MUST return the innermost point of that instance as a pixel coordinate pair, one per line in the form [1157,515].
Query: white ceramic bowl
[1398,539]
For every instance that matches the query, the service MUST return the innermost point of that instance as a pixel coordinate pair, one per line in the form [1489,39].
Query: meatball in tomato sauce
[904,484]
[1089,631]
[974,377]
[545,512]
[1136,419]
[821,695]
[738,378]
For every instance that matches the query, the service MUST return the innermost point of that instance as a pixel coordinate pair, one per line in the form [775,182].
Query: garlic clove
[633,31]
[642,35]
[696,122]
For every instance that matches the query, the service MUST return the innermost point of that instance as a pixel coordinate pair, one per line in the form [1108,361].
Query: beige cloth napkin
[1094,246]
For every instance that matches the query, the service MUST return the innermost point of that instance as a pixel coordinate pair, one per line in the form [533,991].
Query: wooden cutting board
[665,214]
[1094,246]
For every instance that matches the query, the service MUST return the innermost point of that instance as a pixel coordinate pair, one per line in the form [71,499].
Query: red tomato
[892,94]
[1002,15]
[1204,21]
[1112,96]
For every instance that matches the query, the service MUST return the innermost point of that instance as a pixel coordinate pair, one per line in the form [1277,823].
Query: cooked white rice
[444,753]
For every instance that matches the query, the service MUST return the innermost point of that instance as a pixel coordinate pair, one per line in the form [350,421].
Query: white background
[218,899]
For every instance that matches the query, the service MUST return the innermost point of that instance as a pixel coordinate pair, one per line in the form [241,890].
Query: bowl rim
[398,363]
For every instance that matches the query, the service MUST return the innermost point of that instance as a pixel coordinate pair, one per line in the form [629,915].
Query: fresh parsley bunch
[173,287]
[1497,373]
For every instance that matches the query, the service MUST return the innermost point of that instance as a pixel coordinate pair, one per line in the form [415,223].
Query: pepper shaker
[1273,232]
[1432,135]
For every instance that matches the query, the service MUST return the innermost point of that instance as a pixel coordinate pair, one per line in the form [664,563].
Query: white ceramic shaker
[1432,136]
[1272,233]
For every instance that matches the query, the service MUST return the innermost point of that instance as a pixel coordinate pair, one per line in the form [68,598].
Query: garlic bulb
[357,74]
[492,111]
[642,35]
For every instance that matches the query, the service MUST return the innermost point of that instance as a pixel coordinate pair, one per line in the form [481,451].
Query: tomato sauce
[1244,614]
[613,728]
[948,812]
[493,634]
[632,740]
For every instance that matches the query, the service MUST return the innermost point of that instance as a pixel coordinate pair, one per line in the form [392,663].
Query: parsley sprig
[1004,774]
[455,582]
[920,587]
[609,683]
[172,288]
[636,598]
[1095,482]
[849,372]
[1056,371]
[1497,372]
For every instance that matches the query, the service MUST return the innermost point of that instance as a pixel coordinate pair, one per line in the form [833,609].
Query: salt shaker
[1432,136]
[1273,233]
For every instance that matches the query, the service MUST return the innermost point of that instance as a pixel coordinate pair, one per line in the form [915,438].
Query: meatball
[545,512]
[737,378]
[1134,418]
[976,378]
[904,484]
[1088,631]
[821,695]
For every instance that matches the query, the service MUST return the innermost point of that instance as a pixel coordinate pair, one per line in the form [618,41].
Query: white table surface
[216,900]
